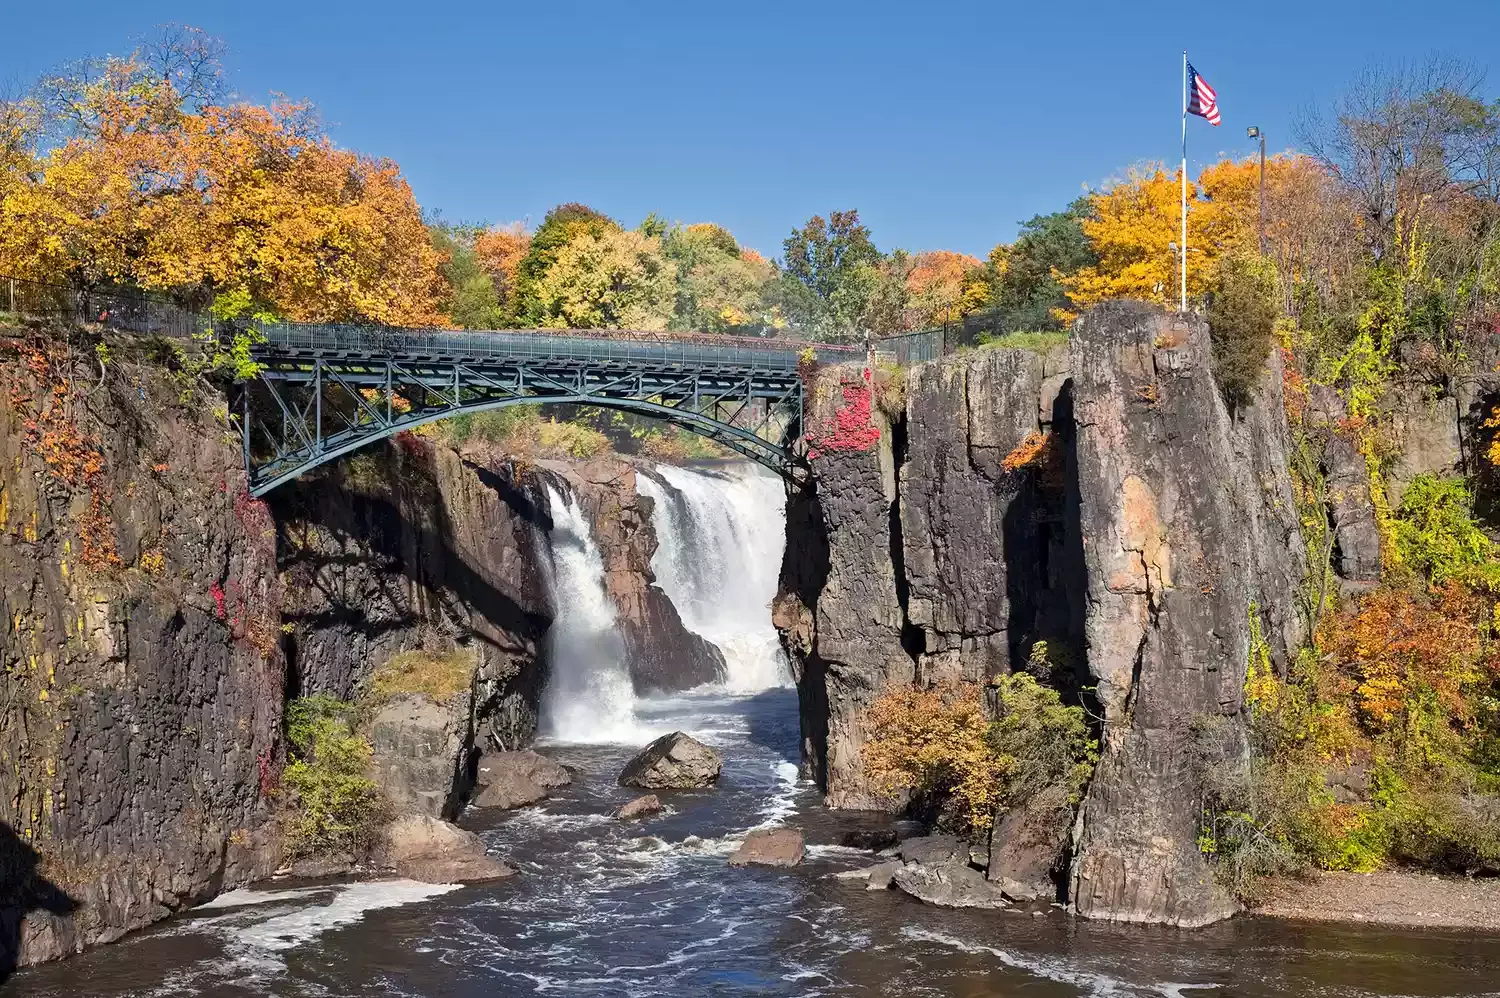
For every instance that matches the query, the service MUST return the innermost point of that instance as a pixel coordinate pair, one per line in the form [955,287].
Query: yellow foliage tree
[941,288]
[1136,220]
[616,279]
[242,201]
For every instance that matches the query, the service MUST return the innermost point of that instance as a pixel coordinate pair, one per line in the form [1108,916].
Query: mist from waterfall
[588,697]
[720,535]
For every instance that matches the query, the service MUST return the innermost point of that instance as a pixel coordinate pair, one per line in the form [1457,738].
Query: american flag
[1202,100]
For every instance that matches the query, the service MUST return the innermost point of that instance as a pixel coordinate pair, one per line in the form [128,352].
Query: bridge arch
[322,392]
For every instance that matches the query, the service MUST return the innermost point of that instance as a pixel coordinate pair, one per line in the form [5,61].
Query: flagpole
[1182,246]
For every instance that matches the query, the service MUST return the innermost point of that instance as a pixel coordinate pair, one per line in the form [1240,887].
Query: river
[605,908]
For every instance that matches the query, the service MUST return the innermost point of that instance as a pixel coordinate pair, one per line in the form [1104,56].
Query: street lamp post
[1254,132]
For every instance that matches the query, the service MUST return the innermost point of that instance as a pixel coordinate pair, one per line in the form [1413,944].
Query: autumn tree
[499,251]
[471,298]
[562,225]
[942,287]
[617,279]
[719,284]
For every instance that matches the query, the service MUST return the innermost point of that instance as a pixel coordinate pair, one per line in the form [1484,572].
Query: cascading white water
[588,697]
[719,537]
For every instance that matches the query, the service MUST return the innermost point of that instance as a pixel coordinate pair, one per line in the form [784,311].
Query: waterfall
[720,536]
[588,697]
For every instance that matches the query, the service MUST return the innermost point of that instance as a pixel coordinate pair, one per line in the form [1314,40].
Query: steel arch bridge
[324,391]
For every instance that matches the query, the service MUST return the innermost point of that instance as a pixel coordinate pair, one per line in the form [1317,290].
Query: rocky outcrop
[421,847]
[412,545]
[1177,544]
[770,847]
[938,548]
[421,747]
[673,762]
[663,655]
[949,885]
[1095,517]
[140,712]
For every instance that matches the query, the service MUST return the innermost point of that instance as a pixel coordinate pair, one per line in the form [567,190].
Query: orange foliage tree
[942,287]
[240,200]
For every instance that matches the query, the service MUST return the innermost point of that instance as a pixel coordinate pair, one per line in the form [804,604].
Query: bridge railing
[625,346]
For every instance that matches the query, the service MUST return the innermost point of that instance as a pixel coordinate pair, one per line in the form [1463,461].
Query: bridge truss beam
[301,412]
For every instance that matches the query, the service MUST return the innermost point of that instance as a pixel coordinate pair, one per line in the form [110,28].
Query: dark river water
[605,908]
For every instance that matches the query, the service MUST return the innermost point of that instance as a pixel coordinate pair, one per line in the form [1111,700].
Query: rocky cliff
[1094,516]
[143,671]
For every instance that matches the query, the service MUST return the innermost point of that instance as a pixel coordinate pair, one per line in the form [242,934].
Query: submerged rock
[673,762]
[873,839]
[534,766]
[421,847]
[641,807]
[949,885]
[771,847]
[871,878]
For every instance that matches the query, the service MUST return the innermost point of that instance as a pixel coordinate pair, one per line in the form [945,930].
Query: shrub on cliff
[331,803]
[434,674]
[1241,318]
[1434,529]
[942,744]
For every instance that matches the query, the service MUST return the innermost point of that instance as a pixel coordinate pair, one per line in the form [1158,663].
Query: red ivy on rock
[851,429]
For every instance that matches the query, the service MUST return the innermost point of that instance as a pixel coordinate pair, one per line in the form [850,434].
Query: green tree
[837,264]
[1241,318]
[613,280]
[563,224]
[1025,292]
[719,285]
[470,298]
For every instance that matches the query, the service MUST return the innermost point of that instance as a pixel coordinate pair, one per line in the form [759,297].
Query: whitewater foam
[720,536]
[589,698]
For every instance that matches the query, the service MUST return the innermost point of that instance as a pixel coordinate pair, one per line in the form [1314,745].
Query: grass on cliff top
[434,674]
[1035,342]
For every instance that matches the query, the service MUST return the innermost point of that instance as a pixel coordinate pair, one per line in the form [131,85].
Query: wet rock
[1027,845]
[949,885]
[770,847]
[509,789]
[873,839]
[532,766]
[319,866]
[641,807]
[421,847]
[673,762]
[874,878]
[933,849]
[418,747]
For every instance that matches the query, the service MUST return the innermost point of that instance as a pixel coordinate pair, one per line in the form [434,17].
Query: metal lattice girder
[325,391]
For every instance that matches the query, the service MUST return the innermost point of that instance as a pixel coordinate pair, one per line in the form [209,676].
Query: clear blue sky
[943,123]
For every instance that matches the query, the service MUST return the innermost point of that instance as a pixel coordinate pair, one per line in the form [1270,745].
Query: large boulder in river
[1027,845]
[507,789]
[533,766]
[421,847]
[770,847]
[673,762]
[641,807]
[954,884]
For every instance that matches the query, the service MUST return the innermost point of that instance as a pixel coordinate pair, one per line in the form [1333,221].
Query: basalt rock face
[662,654]
[1095,516]
[918,555]
[140,707]
[411,545]
[1182,545]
